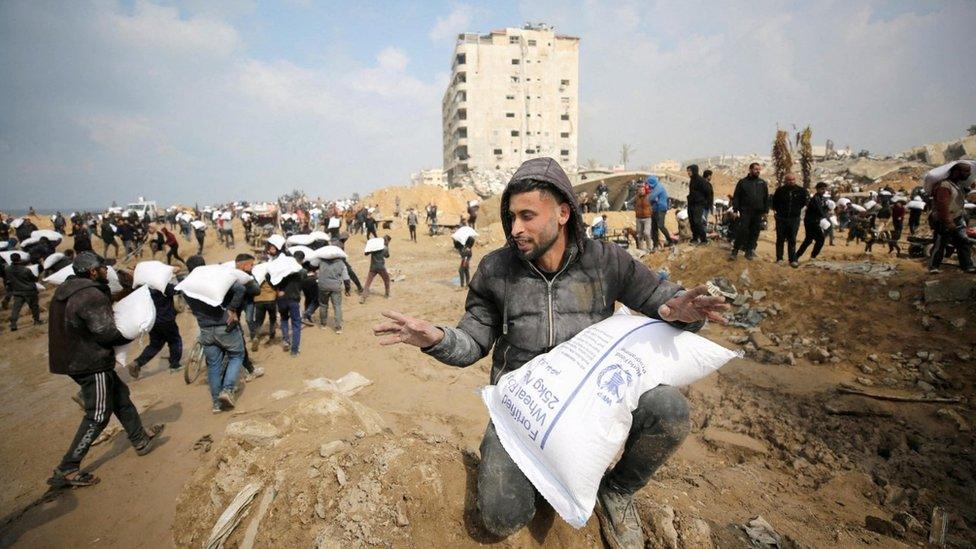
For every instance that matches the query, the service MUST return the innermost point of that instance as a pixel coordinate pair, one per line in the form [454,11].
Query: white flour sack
[211,283]
[565,415]
[154,274]
[135,313]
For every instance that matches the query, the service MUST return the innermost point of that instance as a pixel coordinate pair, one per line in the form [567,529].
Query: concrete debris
[866,268]
[894,295]
[845,405]
[330,448]
[253,431]
[662,526]
[762,533]
[938,527]
[949,289]
[349,384]
[695,533]
[232,516]
[485,183]
[940,153]
[252,529]
[282,393]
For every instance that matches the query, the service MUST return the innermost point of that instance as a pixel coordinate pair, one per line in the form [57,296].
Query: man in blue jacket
[658,197]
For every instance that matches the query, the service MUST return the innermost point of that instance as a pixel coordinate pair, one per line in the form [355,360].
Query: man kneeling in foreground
[545,286]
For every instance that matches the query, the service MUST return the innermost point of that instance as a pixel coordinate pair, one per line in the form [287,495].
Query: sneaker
[251,376]
[133,370]
[216,408]
[750,255]
[338,331]
[285,346]
[932,271]
[13,328]
[175,368]
[794,264]
[307,321]
[619,522]
[226,398]
[361,301]
[294,354]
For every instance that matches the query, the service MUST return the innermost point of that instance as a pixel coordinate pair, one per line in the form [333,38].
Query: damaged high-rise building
[513,95]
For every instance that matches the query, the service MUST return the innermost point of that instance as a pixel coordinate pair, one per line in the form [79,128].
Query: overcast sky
[205,100]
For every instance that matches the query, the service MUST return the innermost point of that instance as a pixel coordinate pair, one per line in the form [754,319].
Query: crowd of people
[869,218]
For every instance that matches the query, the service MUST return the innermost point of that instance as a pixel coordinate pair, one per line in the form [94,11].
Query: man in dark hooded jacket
[22,285]
[700,199]
[750,201]
[81,340]
[545,286]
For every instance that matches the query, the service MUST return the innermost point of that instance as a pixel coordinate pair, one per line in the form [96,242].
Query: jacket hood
[75,284]
[693,168]
[653,181]
[548,170]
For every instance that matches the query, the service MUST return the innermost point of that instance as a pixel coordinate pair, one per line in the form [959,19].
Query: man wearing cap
[80,344]
[546,285]
[813,233]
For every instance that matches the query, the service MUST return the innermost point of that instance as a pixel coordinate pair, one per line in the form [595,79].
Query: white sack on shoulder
[59,277]
[155,274]
[300,240]
[46,233]
[565,415]
[334,222]
[282,266]
[8,257]
[374,245]
[50,260]
[824,224]
[210,283]
[462,235]
[330,252]
[277,241]
[135,313]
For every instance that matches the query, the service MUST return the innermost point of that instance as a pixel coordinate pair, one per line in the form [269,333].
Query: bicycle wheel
[195,365]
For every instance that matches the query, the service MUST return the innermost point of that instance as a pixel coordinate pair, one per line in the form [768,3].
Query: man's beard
[547,240]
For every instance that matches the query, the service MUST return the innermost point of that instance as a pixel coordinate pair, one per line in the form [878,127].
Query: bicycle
[195,365]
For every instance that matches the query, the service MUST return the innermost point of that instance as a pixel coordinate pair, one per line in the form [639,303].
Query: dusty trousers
[506,498]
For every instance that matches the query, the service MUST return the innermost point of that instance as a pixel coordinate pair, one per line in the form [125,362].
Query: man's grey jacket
[512,306]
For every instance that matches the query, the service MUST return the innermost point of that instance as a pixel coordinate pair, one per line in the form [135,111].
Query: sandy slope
[434,415]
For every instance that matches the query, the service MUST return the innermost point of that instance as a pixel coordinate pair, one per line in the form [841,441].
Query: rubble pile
[485,183]
[940,153]
[450,202]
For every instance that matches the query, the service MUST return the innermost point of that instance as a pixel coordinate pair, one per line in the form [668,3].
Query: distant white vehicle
[142,208]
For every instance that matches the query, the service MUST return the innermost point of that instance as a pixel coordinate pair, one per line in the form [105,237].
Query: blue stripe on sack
[572,395]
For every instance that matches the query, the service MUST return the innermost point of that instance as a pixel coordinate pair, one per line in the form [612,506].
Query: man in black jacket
[816,211]
[788,202]
[750,201]
[164,332]
[80,344]
[21,284]
[549,283]
[700,198]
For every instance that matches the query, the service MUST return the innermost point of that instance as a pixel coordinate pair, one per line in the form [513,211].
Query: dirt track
[813,476]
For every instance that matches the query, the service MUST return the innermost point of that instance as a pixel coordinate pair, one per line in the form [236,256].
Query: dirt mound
[450,202]
[340,478]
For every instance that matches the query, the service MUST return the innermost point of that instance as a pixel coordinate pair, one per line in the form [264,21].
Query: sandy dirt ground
[764,441]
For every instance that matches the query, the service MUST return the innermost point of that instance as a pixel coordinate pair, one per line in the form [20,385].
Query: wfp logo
[612,382]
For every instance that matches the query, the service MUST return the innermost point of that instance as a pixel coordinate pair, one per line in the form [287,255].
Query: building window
[515,133]
[460,58]
[513,39]
[515,79]
[564,152]
[462,133]
[498,152]
[510,115]
[531,42]
[564,117]
[515,61]
[564,82]
[564,135]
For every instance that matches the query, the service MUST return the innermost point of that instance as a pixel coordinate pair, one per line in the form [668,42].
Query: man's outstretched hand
[404,329]
[694,305]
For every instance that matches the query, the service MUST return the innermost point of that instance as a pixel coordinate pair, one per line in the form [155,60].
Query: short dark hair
[243,257]
[706,173]
[528,185]
[299,255]
[821,185]
[753,164]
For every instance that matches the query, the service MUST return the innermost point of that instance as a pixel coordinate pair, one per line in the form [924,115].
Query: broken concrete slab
[850,405]
[884,527]
[253,431]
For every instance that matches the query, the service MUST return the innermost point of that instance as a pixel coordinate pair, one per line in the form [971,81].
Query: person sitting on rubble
[545,286]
